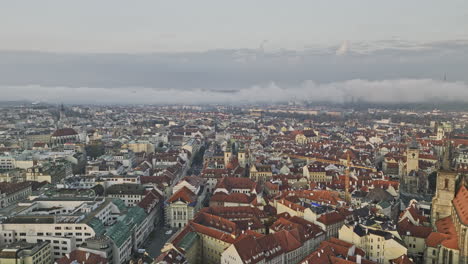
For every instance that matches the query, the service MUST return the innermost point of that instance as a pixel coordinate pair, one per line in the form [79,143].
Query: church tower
[412,157]
[440,133]
[445,192]
[241,156]
[227,155]
[62,117]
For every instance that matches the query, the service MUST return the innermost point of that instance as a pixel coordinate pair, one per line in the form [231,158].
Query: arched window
[446,183]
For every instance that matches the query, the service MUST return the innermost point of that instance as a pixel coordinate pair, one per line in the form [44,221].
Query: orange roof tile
[460,203]
[446,226]
[183,194]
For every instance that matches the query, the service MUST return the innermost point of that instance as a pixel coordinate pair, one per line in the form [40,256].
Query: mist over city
[234,132]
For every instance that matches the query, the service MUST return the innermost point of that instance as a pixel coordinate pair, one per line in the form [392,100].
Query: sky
[221,49]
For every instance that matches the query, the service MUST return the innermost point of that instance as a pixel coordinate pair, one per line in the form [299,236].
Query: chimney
[358,259]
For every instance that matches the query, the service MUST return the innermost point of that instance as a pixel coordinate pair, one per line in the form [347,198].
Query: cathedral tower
[445,192]
[412,157]
[227,155]
[241,156]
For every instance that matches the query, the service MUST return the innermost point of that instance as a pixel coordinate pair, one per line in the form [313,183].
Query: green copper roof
[120,204]
[189,239]
[119,233]
[97,226]
[135,215]
[385,204]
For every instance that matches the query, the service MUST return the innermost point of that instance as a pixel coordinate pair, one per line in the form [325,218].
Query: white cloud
[402,90]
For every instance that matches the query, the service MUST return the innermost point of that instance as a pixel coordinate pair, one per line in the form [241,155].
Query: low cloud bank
[385,91]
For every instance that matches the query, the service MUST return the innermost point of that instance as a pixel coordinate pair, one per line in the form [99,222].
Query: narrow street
[156,240]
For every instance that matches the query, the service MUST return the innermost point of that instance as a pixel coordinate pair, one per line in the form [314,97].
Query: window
[446,183]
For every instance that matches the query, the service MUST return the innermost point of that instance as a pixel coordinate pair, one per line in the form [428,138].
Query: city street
[156,241]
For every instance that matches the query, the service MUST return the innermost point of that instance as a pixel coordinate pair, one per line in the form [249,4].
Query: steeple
[412,157]
[62,117]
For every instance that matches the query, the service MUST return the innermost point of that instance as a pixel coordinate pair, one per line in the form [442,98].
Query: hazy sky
[154,26]
[105,51]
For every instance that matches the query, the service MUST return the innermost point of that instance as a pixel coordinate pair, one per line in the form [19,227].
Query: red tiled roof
[435,238]
[183,194]
[335,251]
[9,188]
[319,196]
[415,214]
[406,228]
[81,257]
[446,226]
[64,132]
[150,200]
[287,240]
[460,203]
[249,250]
[331,218]
[171,256]
[230,183]
[403,259]
[232,198]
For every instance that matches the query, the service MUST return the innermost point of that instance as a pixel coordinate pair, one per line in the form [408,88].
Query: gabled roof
[97,226]
[119,233]
[403,259]
[126,188]
[135,215]
[406,228]
[233,198]
[335,251]
[445,225]
[331,218]
[435,238]
[171,256]
[183,194]
[150,201]
[80,256]
[64,132]
[195,181]
[249,250]
[230,183]
[120,204]
[460,203]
